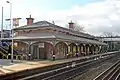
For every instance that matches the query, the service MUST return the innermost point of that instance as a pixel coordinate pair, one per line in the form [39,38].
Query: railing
[5,55]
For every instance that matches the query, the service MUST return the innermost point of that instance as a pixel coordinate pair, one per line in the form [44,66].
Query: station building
[112,41]
[42,40]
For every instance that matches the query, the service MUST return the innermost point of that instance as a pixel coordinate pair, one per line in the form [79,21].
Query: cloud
[96,17]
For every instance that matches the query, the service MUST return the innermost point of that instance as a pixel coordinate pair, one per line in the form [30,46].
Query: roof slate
[46,36]
[41,24]
[37,24]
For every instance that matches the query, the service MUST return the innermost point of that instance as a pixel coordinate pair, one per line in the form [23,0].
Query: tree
[78,27]
[109,42]
[107,34]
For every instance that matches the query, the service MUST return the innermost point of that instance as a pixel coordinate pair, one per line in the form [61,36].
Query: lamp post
[11,30]
[111,43]
[2,26]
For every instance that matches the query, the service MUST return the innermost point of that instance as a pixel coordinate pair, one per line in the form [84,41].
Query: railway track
[68,72]
[112,73]
[64,71]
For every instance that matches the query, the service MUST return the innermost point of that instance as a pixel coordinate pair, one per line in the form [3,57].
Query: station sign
[41,45]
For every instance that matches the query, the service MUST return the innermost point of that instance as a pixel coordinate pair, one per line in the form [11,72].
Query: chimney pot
[30,20]
[71,25]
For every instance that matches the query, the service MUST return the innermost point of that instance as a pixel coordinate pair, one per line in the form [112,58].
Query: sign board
[41,45]
[16,44]
[16,21]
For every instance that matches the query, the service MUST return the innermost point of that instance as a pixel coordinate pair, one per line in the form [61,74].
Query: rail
[111,73]
[67,73]
[118,77]
[51,70]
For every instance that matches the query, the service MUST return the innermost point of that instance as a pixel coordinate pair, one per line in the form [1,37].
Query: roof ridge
[49,24]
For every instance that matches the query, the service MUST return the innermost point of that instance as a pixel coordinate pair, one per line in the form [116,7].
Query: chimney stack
[30,20]
[71,25]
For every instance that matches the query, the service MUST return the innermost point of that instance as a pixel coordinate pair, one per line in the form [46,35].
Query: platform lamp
[11,29]
[2,26]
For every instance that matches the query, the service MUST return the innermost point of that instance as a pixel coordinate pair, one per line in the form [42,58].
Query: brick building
[42,40]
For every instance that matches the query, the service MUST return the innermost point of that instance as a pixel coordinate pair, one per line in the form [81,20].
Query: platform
[7,67]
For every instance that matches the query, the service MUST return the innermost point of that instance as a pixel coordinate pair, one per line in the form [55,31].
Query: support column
[78,49]
[66,52]
[82,52]
[92,49]
[74,50]
[88,51]
[97,49]
[38,53]
[29,52]
[69,53]
[54,53]
[85,52]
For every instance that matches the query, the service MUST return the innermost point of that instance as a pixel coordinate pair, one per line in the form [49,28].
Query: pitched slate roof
[41,24]
[45,36]
[37,25]
[36,36]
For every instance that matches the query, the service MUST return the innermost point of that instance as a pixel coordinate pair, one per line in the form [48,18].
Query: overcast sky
[97,16]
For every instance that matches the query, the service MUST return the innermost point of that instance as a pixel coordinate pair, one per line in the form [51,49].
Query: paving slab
[7,67]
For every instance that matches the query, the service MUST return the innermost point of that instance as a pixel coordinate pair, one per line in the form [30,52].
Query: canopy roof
[50,36]
[46,24]
[45,36]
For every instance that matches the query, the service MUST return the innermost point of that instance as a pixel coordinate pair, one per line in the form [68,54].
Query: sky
[97,16]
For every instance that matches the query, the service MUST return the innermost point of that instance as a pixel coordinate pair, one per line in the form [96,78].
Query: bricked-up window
[63,32]
[60,31]
[67,33]
[20,32]
[55,30]
[48,29]
[72,34]
[28,31]
[51,30]
[40,30]
[16,33]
